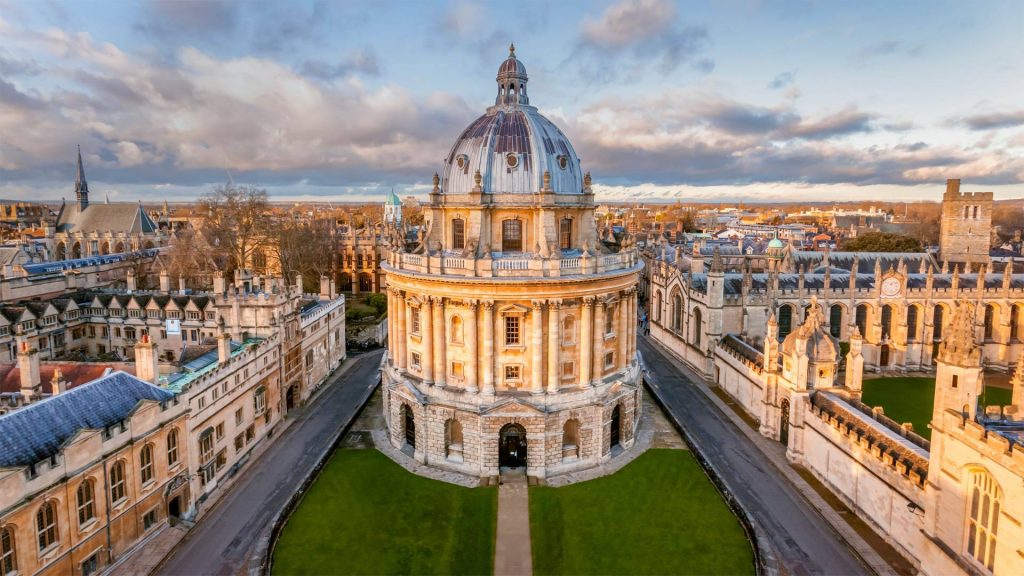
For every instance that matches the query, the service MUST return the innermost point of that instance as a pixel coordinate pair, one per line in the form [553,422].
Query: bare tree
[236,221]
[303,247]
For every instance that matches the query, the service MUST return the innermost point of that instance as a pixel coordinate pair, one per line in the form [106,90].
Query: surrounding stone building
[87,228]
[512,326]
[965,228]
[89,473]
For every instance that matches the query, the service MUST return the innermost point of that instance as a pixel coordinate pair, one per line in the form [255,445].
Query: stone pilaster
[586,340]
[537,347]
[554,342]
[440,343]
[427,338]
[600,309]
[622,336]
[488,355]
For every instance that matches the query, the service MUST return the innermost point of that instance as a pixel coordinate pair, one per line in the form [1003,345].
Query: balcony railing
[514,266]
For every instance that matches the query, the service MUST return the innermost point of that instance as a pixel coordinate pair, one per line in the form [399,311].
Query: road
[222,541]
[803,542]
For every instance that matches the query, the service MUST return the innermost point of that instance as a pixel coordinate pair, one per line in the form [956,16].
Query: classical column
[440,343]
[403,333]
[625,329]
[554,341]
[471,341]
[537,347]
[392,328]
[488,355]
[633,316]
[598,341]
[426,338]
[586,340]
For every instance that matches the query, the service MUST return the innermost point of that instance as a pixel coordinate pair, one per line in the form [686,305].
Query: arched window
[146,464]
[785,321]
[458,234]
[569,330]
[456,329]
[512,235]
[657,306]
[697,326]
[861,319]
[938,315]
[677,313]
[835,320]
[886,321]
[46,525]
[571,439]
[8,555]
[117,490]
[86,502]
[912,323]
[172,448]
[453,440]
[565,234]
[983,518]
[990,316]
[1015,321]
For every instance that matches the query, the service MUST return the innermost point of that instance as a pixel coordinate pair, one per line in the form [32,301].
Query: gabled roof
[40,430]
[120,217]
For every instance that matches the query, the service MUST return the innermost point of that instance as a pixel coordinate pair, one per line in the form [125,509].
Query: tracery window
[912,323]
[8,556]
[146,463]
[117,491]
[172,448]
[86,502]
[983,518]
[46,525]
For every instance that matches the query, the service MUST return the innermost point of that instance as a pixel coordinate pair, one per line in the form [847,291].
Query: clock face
[890,287]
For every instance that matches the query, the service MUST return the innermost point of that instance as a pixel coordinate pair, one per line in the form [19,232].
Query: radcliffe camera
[464,287]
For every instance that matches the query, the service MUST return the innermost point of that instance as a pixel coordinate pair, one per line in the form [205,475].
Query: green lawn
[658,515]
[367,515]
[911,399]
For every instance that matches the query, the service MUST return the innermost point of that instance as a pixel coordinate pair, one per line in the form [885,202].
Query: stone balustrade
[514,266]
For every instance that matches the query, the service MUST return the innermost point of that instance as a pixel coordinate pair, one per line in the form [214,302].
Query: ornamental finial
[512,50]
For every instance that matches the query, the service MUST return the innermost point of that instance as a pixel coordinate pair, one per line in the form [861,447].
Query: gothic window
[86,502]
[565,234]
[677,313]
[886,321]
[937,318]
[657,306]
[513,333]
[512,236]
[990,313]
[697,328]
[835,320]
[8,557]
[46,525]
[861,319]
[785,321]
[458,234]
[146,464]
[117,491]
[983,518]
[912,323]
[172,448]
[1015,320]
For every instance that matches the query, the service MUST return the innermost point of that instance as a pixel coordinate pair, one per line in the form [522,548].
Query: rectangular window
[513,372]
[239,442]
[222,460]
[416,360]
[512,331]
[512,236]
[458,372]
[193,315]
[239,416]
[568,369]
[206,446]
[565,234]
[201,403]
[260,400]
[134,313]
[458,234]
[149,519]
[250,433]
[609,360]
[220,431]
[415,324]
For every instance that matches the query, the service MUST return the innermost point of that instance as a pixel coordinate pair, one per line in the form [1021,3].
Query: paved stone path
[223,540]
[793,535]
[512,552]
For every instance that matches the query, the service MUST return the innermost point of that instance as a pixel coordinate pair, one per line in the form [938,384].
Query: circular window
[512,160]
[563,162]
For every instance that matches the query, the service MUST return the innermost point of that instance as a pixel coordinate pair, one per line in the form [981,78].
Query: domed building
[512,325]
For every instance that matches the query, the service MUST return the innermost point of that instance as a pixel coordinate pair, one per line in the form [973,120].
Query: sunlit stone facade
[512,325]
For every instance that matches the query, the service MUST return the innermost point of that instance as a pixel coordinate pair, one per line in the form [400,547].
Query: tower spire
[81,186]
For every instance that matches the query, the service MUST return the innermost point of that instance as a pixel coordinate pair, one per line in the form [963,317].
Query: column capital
[554,304]
[472,304]
[537,305]
[488,305]
[589,301]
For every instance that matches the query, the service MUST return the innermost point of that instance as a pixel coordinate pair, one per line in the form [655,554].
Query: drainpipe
[106,498]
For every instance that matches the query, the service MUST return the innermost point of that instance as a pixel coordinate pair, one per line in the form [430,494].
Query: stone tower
[958,375]
[966,225]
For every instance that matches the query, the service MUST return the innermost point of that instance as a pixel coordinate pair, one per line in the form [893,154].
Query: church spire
[81,186]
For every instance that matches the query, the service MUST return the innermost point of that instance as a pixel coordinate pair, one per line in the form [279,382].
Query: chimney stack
[325,288]
[181,284]
[223,344]
[953,187]
[57,384]
[298,282]
[147,365]
[28,367]
[165,281]
[219,285]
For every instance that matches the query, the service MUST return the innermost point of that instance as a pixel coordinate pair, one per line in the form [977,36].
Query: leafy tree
[378,301]
[882,242]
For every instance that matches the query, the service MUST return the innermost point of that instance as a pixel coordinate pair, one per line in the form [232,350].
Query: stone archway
[615,428]
[512,446]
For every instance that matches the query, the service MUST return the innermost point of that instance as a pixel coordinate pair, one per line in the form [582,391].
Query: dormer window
[563,161]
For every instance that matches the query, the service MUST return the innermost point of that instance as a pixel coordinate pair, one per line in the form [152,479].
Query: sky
[725,100]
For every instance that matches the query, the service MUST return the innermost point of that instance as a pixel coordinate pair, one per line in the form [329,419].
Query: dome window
[563,161]
[462,161]
[512,160]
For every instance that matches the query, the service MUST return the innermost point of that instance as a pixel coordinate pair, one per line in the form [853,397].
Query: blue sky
[344,100]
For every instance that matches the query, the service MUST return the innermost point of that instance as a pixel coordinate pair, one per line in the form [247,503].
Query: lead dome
[512,146]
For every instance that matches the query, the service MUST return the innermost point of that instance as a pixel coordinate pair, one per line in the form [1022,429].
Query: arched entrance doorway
[512,446]
[883,356]
[174,508]
[615,426]
[289,398]
[410,425]
[784,424]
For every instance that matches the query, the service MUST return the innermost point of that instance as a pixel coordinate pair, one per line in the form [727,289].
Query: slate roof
[39,431]
[865,260]
[120,217]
